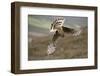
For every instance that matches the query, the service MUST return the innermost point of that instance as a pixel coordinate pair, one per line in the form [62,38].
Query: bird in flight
[59,30]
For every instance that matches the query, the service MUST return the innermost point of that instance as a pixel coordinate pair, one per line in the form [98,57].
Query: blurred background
[68,47]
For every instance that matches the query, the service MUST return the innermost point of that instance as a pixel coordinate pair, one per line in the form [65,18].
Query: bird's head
[53,30]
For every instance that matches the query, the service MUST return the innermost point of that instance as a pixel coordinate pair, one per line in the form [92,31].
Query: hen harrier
[59,31]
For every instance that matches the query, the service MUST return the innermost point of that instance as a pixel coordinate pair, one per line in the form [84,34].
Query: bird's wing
[68,30]
[55,37]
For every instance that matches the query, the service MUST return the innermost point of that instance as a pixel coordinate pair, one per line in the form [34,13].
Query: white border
[25,64]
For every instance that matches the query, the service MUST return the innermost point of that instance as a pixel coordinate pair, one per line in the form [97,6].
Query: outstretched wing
[55,37]
[74,32]
[68,30]
[51,46]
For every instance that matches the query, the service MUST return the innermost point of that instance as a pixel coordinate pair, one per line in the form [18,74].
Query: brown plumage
[59,31]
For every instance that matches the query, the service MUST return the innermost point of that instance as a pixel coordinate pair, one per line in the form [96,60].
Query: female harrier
[59,31]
